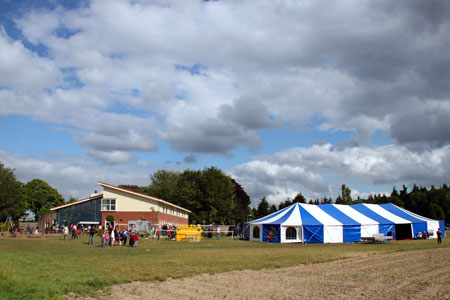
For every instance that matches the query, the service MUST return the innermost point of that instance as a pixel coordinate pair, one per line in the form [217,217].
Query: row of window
[291,232]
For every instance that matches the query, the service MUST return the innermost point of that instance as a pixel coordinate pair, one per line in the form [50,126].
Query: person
[28,231]
[424,235]
[107,238]
[111,235]
[66,232]
[124,237]
[269,237]
[209,232]
[159,233]
[131,238]
[76,232]
[117,235]
[439,233]
[104,239]
[136,239]
[92,232]
[218,233]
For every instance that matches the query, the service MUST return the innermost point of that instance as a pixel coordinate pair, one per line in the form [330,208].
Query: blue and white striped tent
[335,223]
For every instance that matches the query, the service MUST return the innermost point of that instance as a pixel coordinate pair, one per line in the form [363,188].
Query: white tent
[334,223]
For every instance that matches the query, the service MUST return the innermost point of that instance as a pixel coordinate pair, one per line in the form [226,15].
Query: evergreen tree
[346,195]
[272,209]
[263,208]
[284,204]
[299,199]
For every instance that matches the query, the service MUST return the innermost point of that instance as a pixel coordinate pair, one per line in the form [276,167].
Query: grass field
[48,269]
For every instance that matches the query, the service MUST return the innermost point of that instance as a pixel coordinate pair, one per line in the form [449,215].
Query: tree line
[16,198]
[212,197]
[432,203]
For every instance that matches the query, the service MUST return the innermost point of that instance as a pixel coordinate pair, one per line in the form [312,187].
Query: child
[136,239]
[106,238]
[131,238]
[103,239]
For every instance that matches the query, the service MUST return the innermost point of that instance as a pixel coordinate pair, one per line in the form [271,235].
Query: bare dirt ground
[423,274]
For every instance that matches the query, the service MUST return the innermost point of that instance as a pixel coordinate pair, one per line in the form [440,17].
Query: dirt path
[421,274]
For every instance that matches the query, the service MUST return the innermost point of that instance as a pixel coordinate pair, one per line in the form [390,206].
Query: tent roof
[299,214]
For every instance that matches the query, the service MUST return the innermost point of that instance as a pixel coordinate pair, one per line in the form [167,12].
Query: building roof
[122,190]
[142,195]
[77,202]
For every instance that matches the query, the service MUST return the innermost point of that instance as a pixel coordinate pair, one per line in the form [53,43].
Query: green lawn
[48,269]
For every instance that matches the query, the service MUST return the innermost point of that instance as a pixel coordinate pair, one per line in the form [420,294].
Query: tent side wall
[351,233]
[256,232]
[313,234]
[333,233]
[291,234]
[442,227]
[274,229]
[369,230]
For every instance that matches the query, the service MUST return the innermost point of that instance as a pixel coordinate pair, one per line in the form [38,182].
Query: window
[108,204]
[256,232]
[291,233]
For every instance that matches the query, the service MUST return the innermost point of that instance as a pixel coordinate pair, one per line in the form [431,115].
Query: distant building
[124,205]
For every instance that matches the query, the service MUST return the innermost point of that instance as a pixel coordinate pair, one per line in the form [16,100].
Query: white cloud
[205,77]
[72,175]
[320,171]
[21,69]
[356,71]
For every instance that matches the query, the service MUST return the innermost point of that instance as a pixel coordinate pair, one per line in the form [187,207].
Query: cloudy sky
[284,96]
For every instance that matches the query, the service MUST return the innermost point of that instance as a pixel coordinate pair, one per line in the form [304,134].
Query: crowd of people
[170,232]
[110,236]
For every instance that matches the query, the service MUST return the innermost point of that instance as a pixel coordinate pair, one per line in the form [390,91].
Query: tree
[299,199]
[133,188]
[272,209]
[209,194]
[40,197]
[218,195]
[242,202]
[72,199]
[163,185]
[284,204]
[188,193]
[262,209]
[12,204]
[346,194]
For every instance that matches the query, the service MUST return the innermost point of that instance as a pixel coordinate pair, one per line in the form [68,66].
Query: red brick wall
[43,219]
[122,217]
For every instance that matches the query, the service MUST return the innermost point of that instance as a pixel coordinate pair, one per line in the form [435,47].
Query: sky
[286,97]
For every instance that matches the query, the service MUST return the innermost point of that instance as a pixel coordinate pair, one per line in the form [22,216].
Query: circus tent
[335,223]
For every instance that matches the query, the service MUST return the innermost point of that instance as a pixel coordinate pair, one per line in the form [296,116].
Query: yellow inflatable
[189,233]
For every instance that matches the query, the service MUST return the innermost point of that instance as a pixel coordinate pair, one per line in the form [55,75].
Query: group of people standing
[73,229]
[115,237]
[110,236]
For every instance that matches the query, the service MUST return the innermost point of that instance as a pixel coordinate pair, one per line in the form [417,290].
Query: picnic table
[376,238]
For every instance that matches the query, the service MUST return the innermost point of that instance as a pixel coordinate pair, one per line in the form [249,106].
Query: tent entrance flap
[403,231]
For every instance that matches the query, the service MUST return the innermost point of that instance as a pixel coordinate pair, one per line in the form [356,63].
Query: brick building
[124,205]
